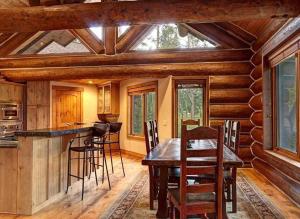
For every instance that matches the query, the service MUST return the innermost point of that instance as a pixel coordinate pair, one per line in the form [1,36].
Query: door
[190,103]
[67,107]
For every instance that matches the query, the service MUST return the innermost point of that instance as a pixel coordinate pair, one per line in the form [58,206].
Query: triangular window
[122,29]
[171,36]
[98,32]
[54,42]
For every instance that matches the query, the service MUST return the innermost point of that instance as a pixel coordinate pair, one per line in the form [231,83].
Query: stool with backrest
[98,140]
[151,138]
[199,199]
[88,154]
[114,131]
[231,174]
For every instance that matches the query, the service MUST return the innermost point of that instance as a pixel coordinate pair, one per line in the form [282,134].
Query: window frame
[285,54]
[140,89]
[204,82]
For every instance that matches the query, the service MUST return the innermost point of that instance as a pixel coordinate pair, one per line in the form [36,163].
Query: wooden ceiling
[237,35]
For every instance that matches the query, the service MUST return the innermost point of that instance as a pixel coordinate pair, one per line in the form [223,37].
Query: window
[142,107]
[190,103]
[286,106]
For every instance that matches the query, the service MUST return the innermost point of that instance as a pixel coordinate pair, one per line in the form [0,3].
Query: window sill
[293,161]
[136,137]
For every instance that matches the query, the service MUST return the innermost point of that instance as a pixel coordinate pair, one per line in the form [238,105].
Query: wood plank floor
[98,199]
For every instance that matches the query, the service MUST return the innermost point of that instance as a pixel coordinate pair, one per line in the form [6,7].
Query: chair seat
[83,149]
[192,197]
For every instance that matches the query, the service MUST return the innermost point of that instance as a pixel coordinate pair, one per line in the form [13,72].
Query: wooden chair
[231,174]
[190,122]
[227,130]
[152,140]
[199,199]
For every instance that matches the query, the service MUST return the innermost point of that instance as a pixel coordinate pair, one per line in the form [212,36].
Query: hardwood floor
[98,199]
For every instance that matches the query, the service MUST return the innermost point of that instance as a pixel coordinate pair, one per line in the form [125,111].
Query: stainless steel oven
[10,112]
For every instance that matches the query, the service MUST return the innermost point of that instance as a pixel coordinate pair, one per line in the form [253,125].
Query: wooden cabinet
[11,92]
[108,98]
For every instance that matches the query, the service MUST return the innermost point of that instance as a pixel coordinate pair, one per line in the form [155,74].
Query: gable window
[286,105]
[142,102]
[172,36]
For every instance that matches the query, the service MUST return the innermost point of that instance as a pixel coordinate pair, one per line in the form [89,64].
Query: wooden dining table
[167,154]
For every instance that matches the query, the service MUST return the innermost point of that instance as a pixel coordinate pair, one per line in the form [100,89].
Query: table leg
[162,210]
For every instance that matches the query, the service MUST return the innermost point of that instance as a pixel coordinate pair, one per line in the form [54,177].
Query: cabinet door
[100,100]
[107,99]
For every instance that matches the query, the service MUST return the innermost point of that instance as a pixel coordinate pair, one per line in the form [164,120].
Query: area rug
[252,204]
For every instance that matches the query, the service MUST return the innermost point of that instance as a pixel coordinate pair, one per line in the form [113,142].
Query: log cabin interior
[103,101]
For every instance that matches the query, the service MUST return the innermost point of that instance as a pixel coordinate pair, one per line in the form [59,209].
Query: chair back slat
[234,139]
[203,170]
[188,168]
[148,131]
[155,131]
[201,188]
[227,131]
[209,207]
[190,122]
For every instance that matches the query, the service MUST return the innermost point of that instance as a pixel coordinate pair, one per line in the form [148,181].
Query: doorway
[66,106]
[189,103]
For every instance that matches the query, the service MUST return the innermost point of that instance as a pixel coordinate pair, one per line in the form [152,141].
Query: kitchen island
[34,174]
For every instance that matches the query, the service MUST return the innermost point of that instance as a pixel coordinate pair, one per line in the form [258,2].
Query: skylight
[122,29]
[98,31]
[166,36]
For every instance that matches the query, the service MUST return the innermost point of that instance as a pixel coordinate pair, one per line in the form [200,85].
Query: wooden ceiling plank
[237,31]
[40,61]
[218,35]
[4,37]
[78,16]
[129,71]
[89,40]
[132,37]
[34,2]
[273,26]
[14,43]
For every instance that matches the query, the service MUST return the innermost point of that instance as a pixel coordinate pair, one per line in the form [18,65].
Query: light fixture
[90,82]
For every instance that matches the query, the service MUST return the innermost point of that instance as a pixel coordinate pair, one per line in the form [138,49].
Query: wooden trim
[56,87]
[131,153]
[140,89]
[202,80]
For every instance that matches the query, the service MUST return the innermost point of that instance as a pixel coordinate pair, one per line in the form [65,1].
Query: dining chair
[190,122]
[231,173]
[150,128]
[227,130]
[199,199]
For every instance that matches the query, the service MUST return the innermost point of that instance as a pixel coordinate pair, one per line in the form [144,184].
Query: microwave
[10,111]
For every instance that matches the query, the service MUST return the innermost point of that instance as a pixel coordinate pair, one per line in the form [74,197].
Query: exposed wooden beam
[129,71]
[78,16]
[110,38]
[273,26]
[89,40]
[34,2]
[4,37]
[218,35]
[237,31]
[126,58]
[14,42]
[132,36]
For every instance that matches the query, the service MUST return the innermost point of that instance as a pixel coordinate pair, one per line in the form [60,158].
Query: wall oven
[10,112]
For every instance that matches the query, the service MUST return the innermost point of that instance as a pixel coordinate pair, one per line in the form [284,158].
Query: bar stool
[114,130]
[88,154]
[99,139]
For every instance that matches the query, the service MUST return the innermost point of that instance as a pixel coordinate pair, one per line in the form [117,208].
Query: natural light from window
[122,29]
[98,31]
[166,36]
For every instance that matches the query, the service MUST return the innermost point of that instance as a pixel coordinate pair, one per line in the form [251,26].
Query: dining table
[167,154]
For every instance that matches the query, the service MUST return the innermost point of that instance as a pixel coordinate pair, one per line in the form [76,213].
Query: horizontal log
[257,118]
[245,140]
[256,102]
[257,134]
[230,95]
[256,72]
[256,59]
[286,184]
[230,111]
[126,58]
[79,16]
[256,87]
[227,82]
[246,125]
[127,71]
[245,154]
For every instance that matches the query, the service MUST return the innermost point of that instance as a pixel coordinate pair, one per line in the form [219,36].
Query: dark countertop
[53,132]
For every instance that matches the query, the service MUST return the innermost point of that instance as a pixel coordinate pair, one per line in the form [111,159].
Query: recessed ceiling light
[90,82]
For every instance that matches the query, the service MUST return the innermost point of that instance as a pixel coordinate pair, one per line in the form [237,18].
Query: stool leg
[93,155]
[102,165]
[90,162]
[121,159]
[69,170]
[83,173]
[106,169]
[111,160]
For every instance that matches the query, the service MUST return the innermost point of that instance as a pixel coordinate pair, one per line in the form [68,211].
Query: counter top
[53,132]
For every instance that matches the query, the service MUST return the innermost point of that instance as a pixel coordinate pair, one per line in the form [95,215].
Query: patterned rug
[251,203]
